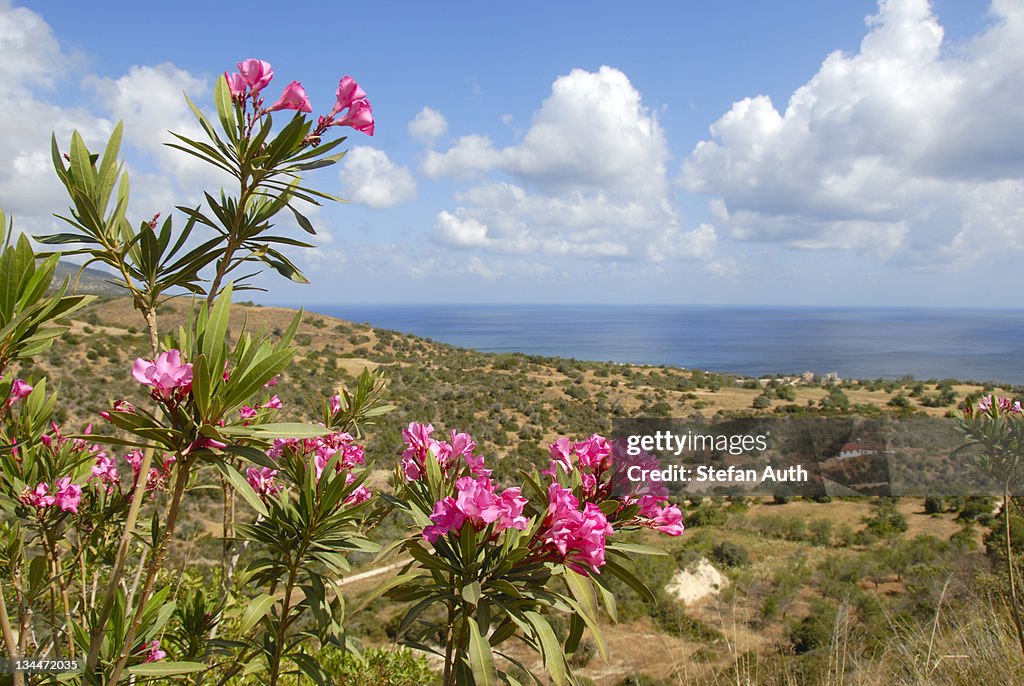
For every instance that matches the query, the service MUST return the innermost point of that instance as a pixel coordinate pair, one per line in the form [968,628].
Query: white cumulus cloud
[428,125]
[908,149]
[588,179]
[369,177]
[29,189]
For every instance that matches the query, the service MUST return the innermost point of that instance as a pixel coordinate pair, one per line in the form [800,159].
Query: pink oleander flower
[119,406]
[247,412]
[561,456]
[205,443]
[38,498]
[578,536]
[359,495]
[351,455]
[621,487]
[650,505]
[449,452]
[587,551]
[474,497]
[446,517]
[418,443]
[359,117]
[293,98]
[236,84]
[167,374]
[68,495]
[507,510]
[273,404]
[134,458]
[156,480]
[594,453]
[477,503]
[154,654]
[256,74]
[276,448]
[272,382]
[1002,404]
[324,448]
[19,391]
[262,480]
[476,465]
[104,470]
[348,92]
[335,403]
[669,520]
[589,483]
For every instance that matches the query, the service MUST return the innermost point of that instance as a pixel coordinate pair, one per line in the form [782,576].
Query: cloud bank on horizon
[903,158]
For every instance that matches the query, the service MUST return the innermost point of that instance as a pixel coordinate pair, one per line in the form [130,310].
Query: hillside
[90,280]
[806,583]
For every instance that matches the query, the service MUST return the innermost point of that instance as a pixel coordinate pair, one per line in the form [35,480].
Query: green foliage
[814,630]
[393,667]
[729,554]
[707,514]
[836,400]
[995,538]
[28,309]
[147,262]
[886,521]
[301,542]
[934,505]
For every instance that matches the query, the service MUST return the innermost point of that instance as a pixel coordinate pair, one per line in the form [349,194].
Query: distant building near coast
[857,450]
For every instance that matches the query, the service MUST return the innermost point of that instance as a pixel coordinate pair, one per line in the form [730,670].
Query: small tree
[994,428]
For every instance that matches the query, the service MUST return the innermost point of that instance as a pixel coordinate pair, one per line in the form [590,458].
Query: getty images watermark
[666,442]
[797,455]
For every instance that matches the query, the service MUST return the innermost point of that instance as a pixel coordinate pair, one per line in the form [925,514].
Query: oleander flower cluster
[338,448]
[992,406]
[253,75]
[61,493]
[570,526]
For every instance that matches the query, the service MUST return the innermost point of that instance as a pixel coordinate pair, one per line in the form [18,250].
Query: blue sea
[857,342]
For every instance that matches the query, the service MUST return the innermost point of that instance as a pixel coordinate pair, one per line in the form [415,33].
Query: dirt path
[371,573]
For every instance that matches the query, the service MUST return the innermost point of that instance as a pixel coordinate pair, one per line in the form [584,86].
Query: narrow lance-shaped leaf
[481,659]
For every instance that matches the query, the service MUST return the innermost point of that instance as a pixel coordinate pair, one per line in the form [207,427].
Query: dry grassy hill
[816,591]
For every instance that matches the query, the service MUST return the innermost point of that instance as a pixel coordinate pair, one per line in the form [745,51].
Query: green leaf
[471,592]
[582,589]
[303,222]
[242,487]
[481,660]
[81,164]
[554,660]
[279,430]
[108,166]
[215,335]
[637,548]
[225,107]
[255,610]
[311,668]
[572,641]
[157,669]
[629,579]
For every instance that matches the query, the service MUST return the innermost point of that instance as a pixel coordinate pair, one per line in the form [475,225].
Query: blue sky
[842,152]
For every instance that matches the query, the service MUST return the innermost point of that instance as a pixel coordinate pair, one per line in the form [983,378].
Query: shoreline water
[856,342]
